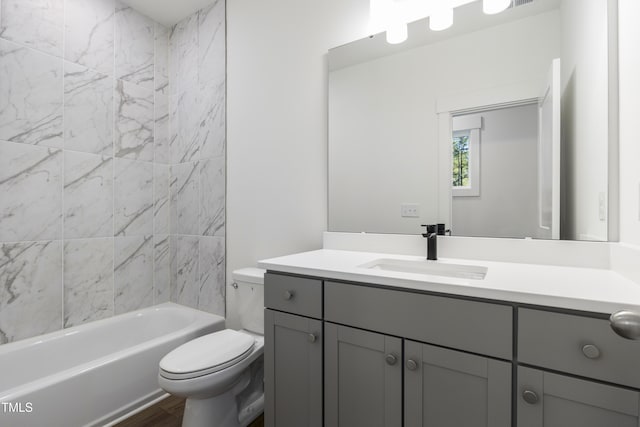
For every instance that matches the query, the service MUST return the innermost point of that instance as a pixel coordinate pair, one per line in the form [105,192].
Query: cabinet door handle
[289,295]
[391,359]
[412,365]
[312,338]
[590,351]
[530,397]
[626,323]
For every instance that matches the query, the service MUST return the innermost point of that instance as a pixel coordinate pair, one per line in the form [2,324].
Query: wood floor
[167,413]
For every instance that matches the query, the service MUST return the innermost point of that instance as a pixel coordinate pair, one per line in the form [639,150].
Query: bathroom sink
[431,268]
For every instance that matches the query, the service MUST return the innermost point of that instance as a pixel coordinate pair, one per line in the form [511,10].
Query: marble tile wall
[112,162]
[196,150]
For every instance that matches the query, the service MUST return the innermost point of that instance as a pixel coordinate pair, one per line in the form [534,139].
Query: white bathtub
[94,374]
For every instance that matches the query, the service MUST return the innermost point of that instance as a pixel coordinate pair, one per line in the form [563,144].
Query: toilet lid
[207,354]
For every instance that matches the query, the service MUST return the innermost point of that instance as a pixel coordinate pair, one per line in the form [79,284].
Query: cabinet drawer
[578,345]
[293,294]
[467,325]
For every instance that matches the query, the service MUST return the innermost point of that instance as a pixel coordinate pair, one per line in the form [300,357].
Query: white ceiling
[167,12]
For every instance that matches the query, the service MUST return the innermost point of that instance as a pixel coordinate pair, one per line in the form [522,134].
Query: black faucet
[432,241]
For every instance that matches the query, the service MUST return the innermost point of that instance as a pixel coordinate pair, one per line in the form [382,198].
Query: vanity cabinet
[353,354]
[293,370]
[365,372]
[363,378]
[579,345]
[550,400]
[293,359]
[447,388]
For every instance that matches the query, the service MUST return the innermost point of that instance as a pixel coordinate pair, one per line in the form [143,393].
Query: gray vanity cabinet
[447,388]
[293,370]
[363,378]
[545,399]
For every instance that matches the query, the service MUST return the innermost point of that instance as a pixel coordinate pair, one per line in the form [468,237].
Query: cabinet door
[551,400]
[293,370]
[363,378]
[447,388]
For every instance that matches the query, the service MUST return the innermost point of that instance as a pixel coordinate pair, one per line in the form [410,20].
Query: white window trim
[473,125]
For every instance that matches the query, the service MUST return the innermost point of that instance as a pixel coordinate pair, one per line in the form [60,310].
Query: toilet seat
[206,355]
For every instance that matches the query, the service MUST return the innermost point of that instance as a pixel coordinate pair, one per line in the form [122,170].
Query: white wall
[383,125]
[508,202]
[277,132]
[585,130]
[629,120]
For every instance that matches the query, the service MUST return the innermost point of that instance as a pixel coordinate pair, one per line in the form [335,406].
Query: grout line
[113,155]
[153,177]
[64,171]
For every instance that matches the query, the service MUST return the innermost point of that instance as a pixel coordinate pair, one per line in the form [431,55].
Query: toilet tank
[246,300]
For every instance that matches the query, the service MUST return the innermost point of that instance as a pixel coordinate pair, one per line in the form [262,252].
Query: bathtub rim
[201,321]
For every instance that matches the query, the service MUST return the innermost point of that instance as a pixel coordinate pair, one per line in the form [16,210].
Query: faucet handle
[431,229]
[442,230]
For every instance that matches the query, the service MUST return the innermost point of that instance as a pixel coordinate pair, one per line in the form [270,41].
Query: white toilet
[221,374]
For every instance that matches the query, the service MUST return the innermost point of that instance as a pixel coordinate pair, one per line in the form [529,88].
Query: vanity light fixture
[393,16]
[397,33]
[491,7]
[441,18]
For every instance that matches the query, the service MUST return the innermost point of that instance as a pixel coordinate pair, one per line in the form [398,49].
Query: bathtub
[94,374]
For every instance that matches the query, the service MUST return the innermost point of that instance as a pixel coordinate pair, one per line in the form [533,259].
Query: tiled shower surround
[112,162]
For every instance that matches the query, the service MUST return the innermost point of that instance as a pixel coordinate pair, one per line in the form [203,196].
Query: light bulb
[441,19]
[491,7]
[397,33]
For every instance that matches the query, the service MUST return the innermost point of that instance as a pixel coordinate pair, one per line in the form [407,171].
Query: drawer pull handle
[591,351]
[288,295]
[412,365]
[312,338]
[391,359]
[626,323]
[530,397]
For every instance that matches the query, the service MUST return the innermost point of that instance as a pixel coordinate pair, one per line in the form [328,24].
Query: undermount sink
[431,268]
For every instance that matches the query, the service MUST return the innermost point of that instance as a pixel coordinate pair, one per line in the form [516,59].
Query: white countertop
[588,289]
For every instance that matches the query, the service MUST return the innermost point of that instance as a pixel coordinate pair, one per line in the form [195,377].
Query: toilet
[221,374]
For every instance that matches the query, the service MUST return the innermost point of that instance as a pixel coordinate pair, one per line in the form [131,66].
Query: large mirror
[499,126]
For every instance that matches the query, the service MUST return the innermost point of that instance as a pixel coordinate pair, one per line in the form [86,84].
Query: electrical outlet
[410,210]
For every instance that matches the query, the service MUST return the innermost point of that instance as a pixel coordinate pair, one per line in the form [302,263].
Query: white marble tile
[173,201]
[30,289]
[88,280]
[161,269]
[30,96]
[34,23]
[31,189]
[88,195]
[161,77]
[161,213]
[183,51]
[212,196]
[186,288]
[133,273]
[173,266]
[185,193]
[134,44]
[89,33]
[211,132]
[212,275]
[212,43]
[172,61]
[162,153]
[88,110]
[134,122]
[190,122]
[174,131]
[133,200]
